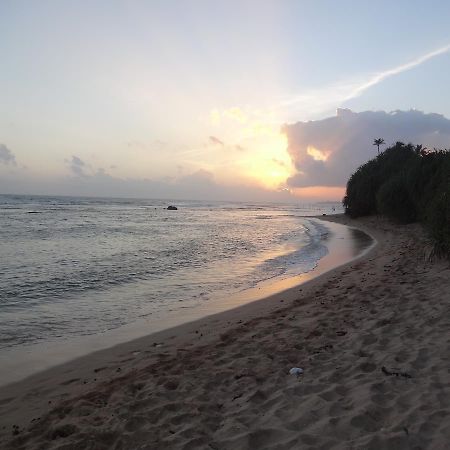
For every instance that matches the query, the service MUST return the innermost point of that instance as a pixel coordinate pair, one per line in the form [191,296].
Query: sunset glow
[138,101]
[213,222]
[316,154]
[268,164]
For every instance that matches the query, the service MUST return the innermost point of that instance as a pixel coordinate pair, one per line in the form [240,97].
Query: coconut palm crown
[378,142]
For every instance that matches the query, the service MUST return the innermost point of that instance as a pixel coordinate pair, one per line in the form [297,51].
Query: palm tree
[421,150]
[378,142]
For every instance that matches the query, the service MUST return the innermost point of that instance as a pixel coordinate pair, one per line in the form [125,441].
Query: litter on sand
[296,371]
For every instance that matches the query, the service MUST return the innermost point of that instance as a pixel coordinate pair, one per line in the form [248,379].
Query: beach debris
[244,373]
[296,371]
[395,372]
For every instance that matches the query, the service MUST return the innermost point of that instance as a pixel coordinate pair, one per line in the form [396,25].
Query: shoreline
[344,244]
[223,381]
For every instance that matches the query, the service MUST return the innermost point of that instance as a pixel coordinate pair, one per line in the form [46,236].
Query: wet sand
[372,337]
[343,243]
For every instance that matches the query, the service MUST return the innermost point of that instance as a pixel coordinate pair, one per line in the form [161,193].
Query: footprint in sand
[6,401]
[72,380]
[367,367]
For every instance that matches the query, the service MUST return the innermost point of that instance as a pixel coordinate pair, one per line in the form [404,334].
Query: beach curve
[371,336]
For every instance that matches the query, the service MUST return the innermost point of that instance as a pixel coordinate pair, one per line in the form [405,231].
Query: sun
[262,159]
[268,164]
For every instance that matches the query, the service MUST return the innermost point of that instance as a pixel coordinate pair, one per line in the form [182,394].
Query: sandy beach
[372,337]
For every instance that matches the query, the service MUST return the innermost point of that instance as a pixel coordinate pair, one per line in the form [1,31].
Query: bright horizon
[251,101]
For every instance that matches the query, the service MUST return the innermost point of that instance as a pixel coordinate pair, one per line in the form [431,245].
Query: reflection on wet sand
[344,244]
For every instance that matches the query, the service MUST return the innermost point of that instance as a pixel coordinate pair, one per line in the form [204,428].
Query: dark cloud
[215,141]
[7,156]
[77,166]
[325,152]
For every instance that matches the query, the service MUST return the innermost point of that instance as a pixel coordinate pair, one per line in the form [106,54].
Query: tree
[378,142]
[421,150]
[407,183]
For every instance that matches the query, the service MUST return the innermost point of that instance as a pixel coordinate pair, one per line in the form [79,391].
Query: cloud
[214,117]
[7,156]
[279,162]
[325,152]
[201,176]
[134,143]
[236,113]
[379,77]
[215,141]
[318,100]
[77,166]
[182,183]
[197,185]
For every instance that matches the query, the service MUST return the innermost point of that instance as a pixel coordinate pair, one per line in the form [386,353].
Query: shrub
[438,219]
[361,191]
[405,183]
[394,200]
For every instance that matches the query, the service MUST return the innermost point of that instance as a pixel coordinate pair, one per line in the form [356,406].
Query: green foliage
[406,183]
[363,185]
[394,200]
[438,214]
[361,190]
[378,142]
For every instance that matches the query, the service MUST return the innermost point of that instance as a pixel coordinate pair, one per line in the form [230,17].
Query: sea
[71,267]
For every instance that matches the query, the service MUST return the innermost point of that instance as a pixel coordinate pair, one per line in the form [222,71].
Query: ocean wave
[95,264]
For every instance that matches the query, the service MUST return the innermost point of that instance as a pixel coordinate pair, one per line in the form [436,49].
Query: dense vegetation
[406,183]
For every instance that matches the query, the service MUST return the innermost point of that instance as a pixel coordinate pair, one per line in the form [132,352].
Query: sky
[236,100]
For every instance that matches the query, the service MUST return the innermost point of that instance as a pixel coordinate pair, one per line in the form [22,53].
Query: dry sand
[372,337]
